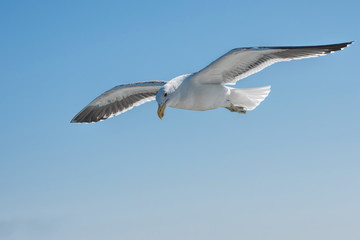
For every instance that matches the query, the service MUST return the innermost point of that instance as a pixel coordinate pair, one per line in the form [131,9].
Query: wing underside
[242,62]
[118,100]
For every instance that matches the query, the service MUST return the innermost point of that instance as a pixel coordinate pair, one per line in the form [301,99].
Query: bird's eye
[165,94]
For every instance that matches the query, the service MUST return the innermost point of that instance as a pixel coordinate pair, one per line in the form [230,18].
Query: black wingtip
[337,47]
[91,114]
[349,43]
[81,117]
[75,120]
[327,48]
[345,44]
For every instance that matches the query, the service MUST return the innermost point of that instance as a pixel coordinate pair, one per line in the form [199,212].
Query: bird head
[162,97]
[168,94]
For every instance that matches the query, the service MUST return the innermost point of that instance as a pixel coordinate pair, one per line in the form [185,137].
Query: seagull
[203,90]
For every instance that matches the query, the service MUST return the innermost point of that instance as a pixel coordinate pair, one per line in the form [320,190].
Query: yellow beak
[161,110]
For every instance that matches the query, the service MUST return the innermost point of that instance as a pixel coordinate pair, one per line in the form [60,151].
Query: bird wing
[242,62]
[118,100]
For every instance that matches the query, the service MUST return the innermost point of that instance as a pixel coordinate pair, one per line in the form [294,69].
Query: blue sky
[287,170]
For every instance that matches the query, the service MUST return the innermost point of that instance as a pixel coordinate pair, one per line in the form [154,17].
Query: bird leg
[237,109]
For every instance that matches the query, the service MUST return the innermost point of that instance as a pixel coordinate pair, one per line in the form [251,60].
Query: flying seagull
[203,90]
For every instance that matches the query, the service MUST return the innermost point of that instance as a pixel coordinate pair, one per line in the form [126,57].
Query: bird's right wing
[242,62]
[118,100]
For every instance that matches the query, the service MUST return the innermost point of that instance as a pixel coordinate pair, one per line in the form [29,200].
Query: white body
[194,95]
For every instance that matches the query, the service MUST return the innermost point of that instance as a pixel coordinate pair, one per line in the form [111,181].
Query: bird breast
[200,97]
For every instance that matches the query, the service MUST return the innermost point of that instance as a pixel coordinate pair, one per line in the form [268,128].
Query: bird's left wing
[242,62]
[118,100]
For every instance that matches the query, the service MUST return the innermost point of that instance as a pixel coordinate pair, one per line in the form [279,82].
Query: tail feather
[248,98]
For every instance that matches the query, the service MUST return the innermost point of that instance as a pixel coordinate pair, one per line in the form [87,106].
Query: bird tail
[247,99]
